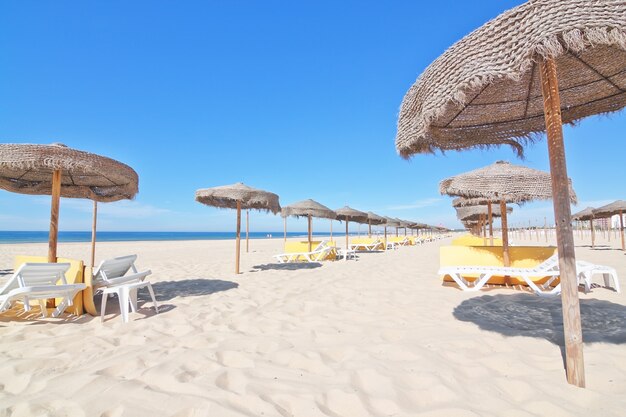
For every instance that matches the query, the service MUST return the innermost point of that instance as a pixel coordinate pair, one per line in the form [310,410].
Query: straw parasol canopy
[531,69]
[473,213]
[60,171]
[307,208]
[616,207]
[350,215]
[374,219]
[502,180]
[586,214]
[230,196]
[609,210]
[238,196]
[486,90]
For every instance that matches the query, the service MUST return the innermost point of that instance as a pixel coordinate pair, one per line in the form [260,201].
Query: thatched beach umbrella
[309,209]
[616,207]
[60,171]
[506,183]
[462,202]
[348,215]
[391,222]
[583,215]
[499,85]
[238,196]
[373,219]
[481,215]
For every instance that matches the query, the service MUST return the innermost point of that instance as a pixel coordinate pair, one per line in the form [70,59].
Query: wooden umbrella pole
[309,226]
[284,229]
[396,232]
[490,220]
[54,216]
[574,361]
[369,228]
[385,237]
[505,234]
[93,234]
[346,257]
[593,234]
[247,230]
[545,228]
[484,228]
[621,228]
[237,240]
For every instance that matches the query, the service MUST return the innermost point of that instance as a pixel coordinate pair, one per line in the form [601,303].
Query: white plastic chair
[37,281]
[110,277]
[320,253]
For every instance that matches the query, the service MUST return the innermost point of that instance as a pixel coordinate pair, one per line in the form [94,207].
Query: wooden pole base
[574,361]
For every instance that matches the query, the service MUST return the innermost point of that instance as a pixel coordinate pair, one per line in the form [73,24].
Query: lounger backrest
[550,263]
[115,267]
[37,274]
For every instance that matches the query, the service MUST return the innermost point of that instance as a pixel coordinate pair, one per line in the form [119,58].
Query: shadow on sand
[167,290]
[541,317]
[286,267]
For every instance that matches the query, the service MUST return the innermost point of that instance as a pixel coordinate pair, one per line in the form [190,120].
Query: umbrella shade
[228,196]
[375,219]
[350,215]
[28,169]
[616,207]
[473,213]
[502,181]
[238,196]
[64,172]
[391,222]
[586,214]
[308,208]
[464,202]
[486,90]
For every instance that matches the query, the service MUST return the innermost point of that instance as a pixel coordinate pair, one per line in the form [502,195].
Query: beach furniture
[586,270]
[548,268]
[298,253]
[111,277]
[367,244]
[38,281]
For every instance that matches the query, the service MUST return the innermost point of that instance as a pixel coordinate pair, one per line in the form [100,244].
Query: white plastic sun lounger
[320,253]
[37,281]
[549,267]
[376,244]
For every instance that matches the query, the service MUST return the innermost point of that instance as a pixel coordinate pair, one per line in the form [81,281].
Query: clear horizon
[295,98]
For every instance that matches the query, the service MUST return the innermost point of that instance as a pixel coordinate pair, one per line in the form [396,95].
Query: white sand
[373,337]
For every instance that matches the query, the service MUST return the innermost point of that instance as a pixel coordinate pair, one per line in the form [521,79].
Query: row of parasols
[242,197]
[59,171]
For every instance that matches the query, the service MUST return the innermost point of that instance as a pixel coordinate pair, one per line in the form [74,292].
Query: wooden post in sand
[284,229]
[574,361]
[93,234]
[490,220]
[346,256]
[247,230]
[238,239]
[309,226]
[593,233]
[54,216]
[621,228]
[505,235]
[331,229]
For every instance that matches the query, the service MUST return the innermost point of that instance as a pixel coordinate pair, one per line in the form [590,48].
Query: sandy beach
[379,336]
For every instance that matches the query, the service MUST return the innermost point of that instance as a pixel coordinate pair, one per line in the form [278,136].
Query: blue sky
[298,98]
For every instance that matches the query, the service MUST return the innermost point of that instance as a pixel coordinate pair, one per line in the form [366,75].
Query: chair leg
[103,306]
[133,299]
[62,306]
[151,291]
[123,299]
[42,305]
